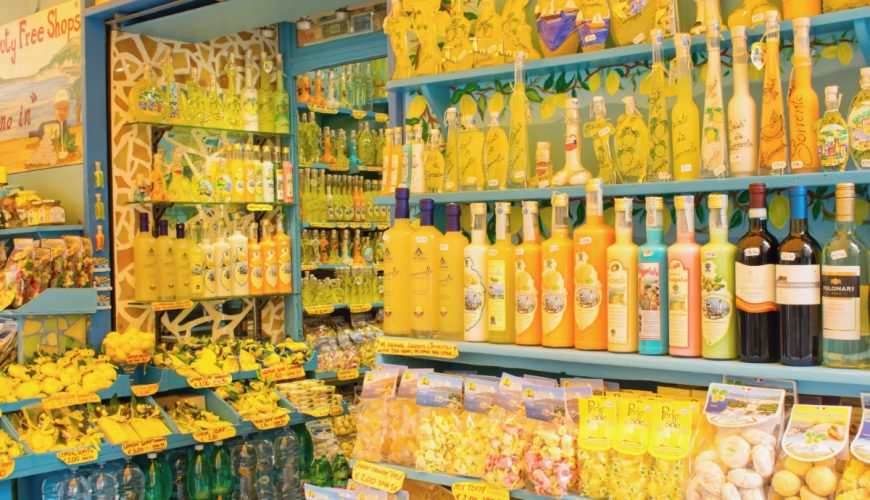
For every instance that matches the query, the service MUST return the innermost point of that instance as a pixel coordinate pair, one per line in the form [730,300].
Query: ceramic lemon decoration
[488,36]
[396,26]
[458,51]
[517,32]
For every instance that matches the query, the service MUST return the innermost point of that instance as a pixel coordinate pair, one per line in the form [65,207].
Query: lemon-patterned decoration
[74,372]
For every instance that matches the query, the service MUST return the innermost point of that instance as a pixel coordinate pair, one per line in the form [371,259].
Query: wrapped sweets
[597,418]
[550,456]
[400,443]
[736,460]
[855,482]
[808,464]
[439,402]
[669,442]
[379,387]
[505,431]
[573,395]
[629,461]
[479,399]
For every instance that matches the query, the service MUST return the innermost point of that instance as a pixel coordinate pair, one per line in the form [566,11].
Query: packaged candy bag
[573,395]
[41,276]
[597,422]
[73,267]
[855,482]
[19,271]
[596,384]
[737,458]
[814,447]
[551,453]
[629,460]
[58,260]
[506,435]
[669,444]
[478,401]
[86,277]
[439,402]
[400,443]
[379,387]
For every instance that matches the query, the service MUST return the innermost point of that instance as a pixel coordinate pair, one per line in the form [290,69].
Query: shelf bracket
[862,33]
[438,97]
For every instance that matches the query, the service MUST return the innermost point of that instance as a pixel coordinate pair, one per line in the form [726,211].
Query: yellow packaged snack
[670,439]
[439,402]
[551,459]
[629,461]
[478,401]
[379,387]
[506,433]
[400,441]
[573,395]
[597,423]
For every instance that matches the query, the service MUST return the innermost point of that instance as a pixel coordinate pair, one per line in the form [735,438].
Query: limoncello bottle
[404,173]
[714,144]
[658,124]
[433,163]
[215,105]
[237,172]
[859,123]
[193,103]
[685,125]
[518,136]
[599,129]
[145,262]
[500,271]
[146,100]
[833,136]
[621,283]
[471,140]
[182,259]
[718,257]
[250,104]
[266,99]
[223,262]
[451,151]
[418,177]
[495,153]
[527,290]
[572,172]
[632,143]
[772,144]
[270,259]
[590,272]
[476,328]
[652,283]
[803,103]
[239,256]
[232,99]
[197,263]
[425,274]
[281,100]
[557,315]
[387,161]
[742,122]
[397,269]
[256,271]
[251,177]
[684,284]
[451,278]
[171,90]
[210,269]
[543,165]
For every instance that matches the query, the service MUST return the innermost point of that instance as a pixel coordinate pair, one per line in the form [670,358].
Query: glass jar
[56,214]
[33,213]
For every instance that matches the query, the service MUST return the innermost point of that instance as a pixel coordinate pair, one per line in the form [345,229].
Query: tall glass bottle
[685,124]
[495,153]
[803,103]
[632,143]
[599,129]
[397,269]
[266,98]
[500,272]
[451,278]
[621,285]
[590,272]
[232,97]
[471,142]
[452,152]
[557,315]
[527,288]
[145,262]
[182,259]
[718,320]
[845,328]
[518,145]
[210,268]
[250,97]
[433,163]
[387,161]
[154,481]
[658,125]
[223,262]
[714,144]
[859,123]
[197,263]
[573,172]
[652,284]
[199,485]
[165,263]
[425,274]
[270,258]
[742,141]
[171,90]
[281,100]
[772,147]
[476,329]
[798,277]
[755,284]
[256,271]
[684,284]
[833,136]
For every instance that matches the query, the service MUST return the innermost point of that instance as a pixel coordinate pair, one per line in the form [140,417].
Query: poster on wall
[41,89]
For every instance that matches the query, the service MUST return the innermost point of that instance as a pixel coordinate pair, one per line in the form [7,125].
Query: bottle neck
[530,227]
[798,226]
[844,226]
[478,236]
[654,234]
[594,206]
[426,218]
[623,234]
[758,220]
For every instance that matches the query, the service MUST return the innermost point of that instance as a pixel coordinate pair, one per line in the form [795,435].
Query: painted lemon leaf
[465,218]
[844,53]
[778,210]
[496,102]
[546,217]
[702,74]
[594,82]
[611,83]
[418,107]
[467,105]
[516,220]
[643,88]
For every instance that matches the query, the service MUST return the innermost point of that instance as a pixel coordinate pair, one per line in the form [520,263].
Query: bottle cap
[713,29]
[503,208]
[152,456]
[572,104]
[597,100]
[453,212]
[832,92]
[771,19]
[656,36]
[800,22]
[654,203]
[494,115]
[198,447]
[738,31]
[757,195]
[179,230]
[845,202]
[530,207]
[163,227]
[716,200]
[143,222]
[865,76]
[622,204]
[798,204]
[682,43]
[427,204]
[845,190]
[560,200]
[478,209]
[594,185]
[685,202]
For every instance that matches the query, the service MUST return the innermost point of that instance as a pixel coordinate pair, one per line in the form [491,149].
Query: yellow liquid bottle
[387,160]
[197,263]
[237,172]
[500,272]
[599,129]
[476,327]
[397,269]
[433,163]
[256,271]
[165,263]
[425,274]
[451,151]
[451,278]
[518,138]
[632,144]
[803,104]
[658,124]
[270,259]
[495,154]
[527,288]
[557,315]
[772,147]
[622,283]
[685,122]
[285,261]
[471,142]
[145,262]
[182,268]
[250,175]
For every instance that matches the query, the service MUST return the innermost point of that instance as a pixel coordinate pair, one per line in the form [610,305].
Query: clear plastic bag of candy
[379,388]
[439,402]
[855,482]
[630,460]
[573,395]
[550,458]
[671,432]
[597,421]
[478,401]
[505,431]
[400,444]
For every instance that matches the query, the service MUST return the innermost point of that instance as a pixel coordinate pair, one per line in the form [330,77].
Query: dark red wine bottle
[755,285]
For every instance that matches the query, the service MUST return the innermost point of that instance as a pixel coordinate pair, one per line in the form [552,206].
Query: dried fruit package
[573,395]
[479,399]
[58,260]
[551,459]
[629,460]
[19,271]
[86,276]
[41,272]
[439,402]
[814,446]
[855,483]
[736,460]
[400,443]
[506,433]
[379,387]
[73,267]
[597,423]
[669,444]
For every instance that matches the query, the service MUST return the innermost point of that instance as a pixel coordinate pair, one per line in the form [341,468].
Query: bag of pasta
[379,387]
[400,442]
[478,401]
[669,444]
[573,395]
[597,420]
[551,458]
[506,434]
[439,402]
[736,460]
[814,449]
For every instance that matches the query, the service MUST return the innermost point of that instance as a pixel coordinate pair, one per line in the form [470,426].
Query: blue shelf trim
[58,301]
[665,369]
[345,225]
[332,375]
[41,231]
[341,111]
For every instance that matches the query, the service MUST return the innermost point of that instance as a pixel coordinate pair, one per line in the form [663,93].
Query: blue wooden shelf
[41,231]
[346,225]
[338,111]
[646,189]
[665,369]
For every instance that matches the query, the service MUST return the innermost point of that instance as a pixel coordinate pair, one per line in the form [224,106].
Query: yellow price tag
[143,446]
[409,347]
[7,468]
[271,421]
[358,114]
[209,381]
[323,109]
[378,476]
[381,117]
[64,400]
[478,491]
[259,207]
[351,374]
[77,456]
[216,434]
[144,390]
[318,412]
[360,308]
[308,267]
[277,373]
[171,305]
[320,310]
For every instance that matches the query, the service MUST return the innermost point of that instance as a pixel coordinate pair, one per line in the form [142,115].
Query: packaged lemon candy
[596,384]
[597,422]
[856,476]
[505,431]
[479,398]
[379,387]
[737,456]
[669,442]
[550,457]
[400,443]
[573,395]
[811,453]
[629,461]
[439,402]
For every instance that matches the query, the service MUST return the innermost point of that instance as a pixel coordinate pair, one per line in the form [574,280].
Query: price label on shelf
[144,390]
[383,225]
[339,168]
[259,207]
[77,456]
[321,225]
[320,310]
[351,374]
[468,490]
[139,359]
[360,308]
[7,468]
[216,434]
[144,446]
[278,373]
[271,421]
[318,412]
[209,381]
[327,110]
[379,477]
[381,117]
[308,267]
[342,225]
[65,400]
[358,114]
[412,347]
[336,410]
[171,305]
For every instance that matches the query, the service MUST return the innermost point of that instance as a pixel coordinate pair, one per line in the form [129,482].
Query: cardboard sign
[378,476]
[411,347]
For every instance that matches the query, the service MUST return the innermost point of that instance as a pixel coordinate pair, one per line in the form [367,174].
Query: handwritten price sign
[139,359]
[378,476]
[144,390]
[77,456]
[209,381]
[277,373]
[212,435]
[478,491]
[65,400]
[360,308]
[320,310]
[171,306]
[270,422]
[351,374]
[409,347]
[149,445]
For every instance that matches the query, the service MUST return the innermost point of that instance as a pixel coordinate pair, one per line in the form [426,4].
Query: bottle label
[841,302]
[475,295]
[285,268]
[587,292]
[833,140]
[678,304]
[526,298]
[649,300]
[497,307]
[798,284]
[554,296]
[210,273]
[617,303]
[225,270]
[421,280]
[271,268]
[859,129]
[240,266]
[717,303]
[755,286]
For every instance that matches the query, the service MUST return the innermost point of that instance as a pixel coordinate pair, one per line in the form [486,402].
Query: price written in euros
[478,491]
[284,372]
[65,400]
[270,421]
[209,381]
[77,456]
[216,434]
[378,476]
[172,305]
[408,347]
[144,390]
[143,446]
